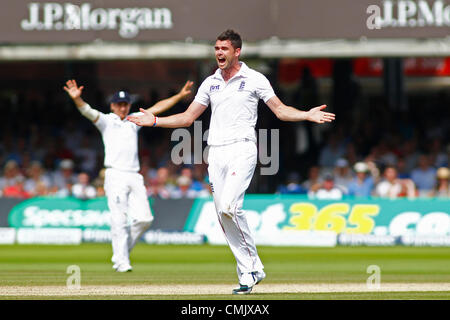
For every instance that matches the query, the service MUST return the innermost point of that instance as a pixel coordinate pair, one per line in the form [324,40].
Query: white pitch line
[219,289]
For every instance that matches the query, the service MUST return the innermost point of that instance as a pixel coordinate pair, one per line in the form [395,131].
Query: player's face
[226,54]
[121,109]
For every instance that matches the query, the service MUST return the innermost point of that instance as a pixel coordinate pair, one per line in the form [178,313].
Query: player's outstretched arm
[168,103]
[184,119]
[287,113]
[74,91]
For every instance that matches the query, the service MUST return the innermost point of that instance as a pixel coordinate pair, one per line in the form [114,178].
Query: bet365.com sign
[297,220]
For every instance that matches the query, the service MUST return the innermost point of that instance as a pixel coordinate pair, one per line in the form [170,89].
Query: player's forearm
[86,110]
[79,102]
[287,113]
[284,112]
[165,104]
[178,120]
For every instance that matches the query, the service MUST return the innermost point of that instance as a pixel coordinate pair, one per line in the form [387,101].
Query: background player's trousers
[130,211]
[230,170]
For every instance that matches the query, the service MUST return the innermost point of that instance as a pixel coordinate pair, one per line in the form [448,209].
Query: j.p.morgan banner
[60,21]
[294,220]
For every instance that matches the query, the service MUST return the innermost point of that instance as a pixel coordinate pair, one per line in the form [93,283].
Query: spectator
[11,174]
[160,186]
[424,176]
[442,188]
[197,183]
[16,190]
[402,171]
[38,184]
[327,191]
[314,180]
[342,174]
[65,176]
[362,185]
[438,156]
[393,187]
[63,192]
[199,178]
[17,153]
[292,185]
[447,161]
[331,152]
[83,189]
[99,182]
[384,154]
[184,189]
[410,153]
[86,156]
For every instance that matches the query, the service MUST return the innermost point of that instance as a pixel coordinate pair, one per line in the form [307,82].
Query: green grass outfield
[168,265]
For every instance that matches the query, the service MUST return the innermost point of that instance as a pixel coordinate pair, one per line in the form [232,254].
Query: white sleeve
[264,89]
[137,114]
[102,122]
[202,95]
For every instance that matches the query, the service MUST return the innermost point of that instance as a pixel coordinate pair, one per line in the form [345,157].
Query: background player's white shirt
[234,105]
[120,139]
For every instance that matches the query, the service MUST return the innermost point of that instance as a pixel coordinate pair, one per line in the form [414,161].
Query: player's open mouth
[221,60]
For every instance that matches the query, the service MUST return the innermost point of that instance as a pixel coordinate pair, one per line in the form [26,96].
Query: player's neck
[230,72]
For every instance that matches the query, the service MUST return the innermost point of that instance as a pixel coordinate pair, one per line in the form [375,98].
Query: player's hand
[145,119]
[317,115]
[72,89]
[186,90]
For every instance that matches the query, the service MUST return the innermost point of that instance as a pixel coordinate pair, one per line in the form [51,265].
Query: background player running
[124,186]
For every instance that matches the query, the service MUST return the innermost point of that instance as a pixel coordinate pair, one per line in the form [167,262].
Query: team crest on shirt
[241,86]
[214,88]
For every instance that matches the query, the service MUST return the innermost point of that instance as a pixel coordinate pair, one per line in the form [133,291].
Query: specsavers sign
[61,213]
[296,220]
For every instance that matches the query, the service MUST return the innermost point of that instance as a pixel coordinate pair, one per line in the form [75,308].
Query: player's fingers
[142,110]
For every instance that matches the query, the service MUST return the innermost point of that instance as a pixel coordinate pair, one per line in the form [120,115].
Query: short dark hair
[233,36]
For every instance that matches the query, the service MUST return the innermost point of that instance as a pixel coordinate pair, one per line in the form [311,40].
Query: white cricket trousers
[230,170]
[130,211]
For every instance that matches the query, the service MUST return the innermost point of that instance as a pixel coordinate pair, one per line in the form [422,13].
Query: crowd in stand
[385,172]
[365,179]
[382,173]
[165,182]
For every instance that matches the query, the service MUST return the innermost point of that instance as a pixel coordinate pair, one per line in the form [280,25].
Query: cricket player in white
[233,92]
[124,186]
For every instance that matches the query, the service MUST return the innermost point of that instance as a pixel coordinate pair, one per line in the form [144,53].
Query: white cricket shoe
[124,267]
[248,280]
[260,275]
[115,263]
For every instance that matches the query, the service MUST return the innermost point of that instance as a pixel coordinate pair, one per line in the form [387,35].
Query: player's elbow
[187,121]
[281,114]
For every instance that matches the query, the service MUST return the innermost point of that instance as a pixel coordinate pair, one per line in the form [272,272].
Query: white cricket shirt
[234,105]
[120,139]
